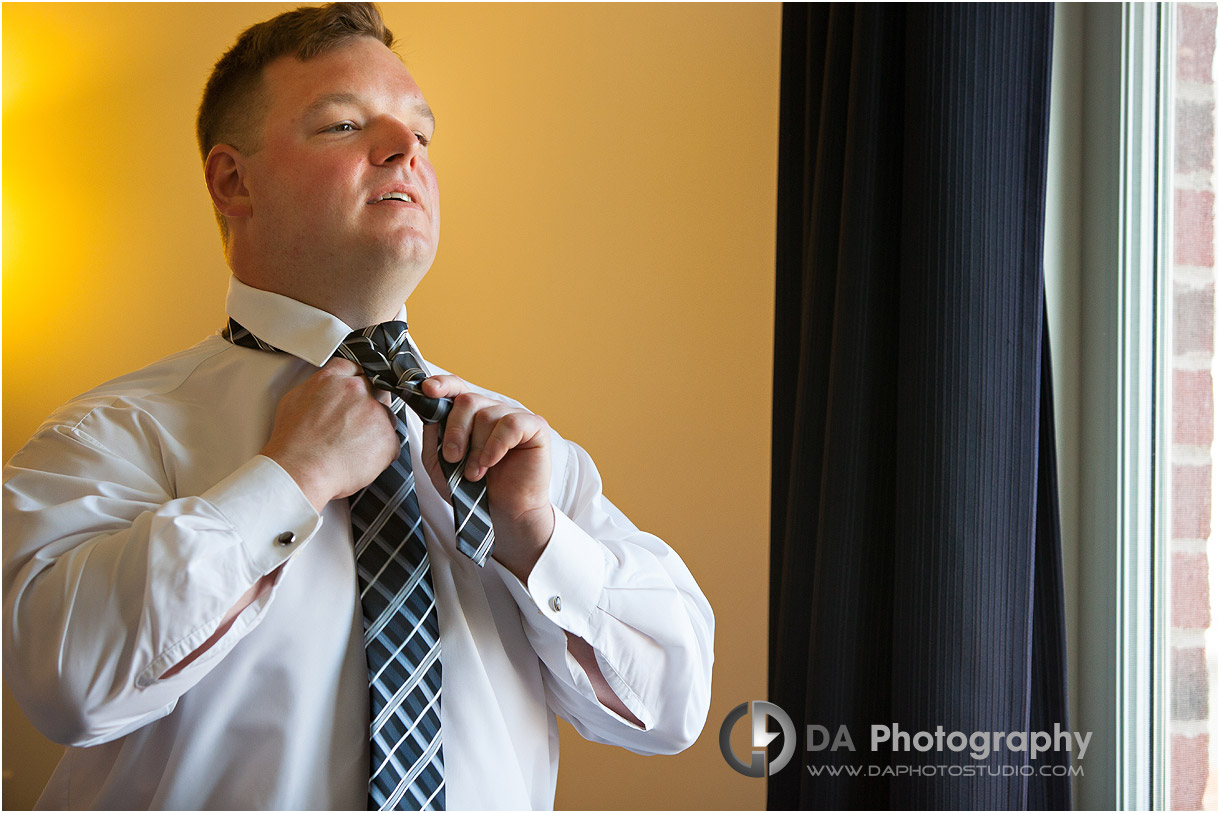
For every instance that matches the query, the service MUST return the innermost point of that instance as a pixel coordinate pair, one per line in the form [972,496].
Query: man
[182,599]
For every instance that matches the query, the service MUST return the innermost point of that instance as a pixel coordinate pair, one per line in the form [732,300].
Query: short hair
[232,97]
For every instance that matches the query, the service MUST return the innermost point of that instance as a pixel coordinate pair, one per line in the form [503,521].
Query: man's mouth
[403,196]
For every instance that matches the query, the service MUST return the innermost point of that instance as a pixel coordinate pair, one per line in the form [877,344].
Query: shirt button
[286,538]
[556,604]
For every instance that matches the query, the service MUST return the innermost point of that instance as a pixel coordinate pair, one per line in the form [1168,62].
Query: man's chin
[411,256]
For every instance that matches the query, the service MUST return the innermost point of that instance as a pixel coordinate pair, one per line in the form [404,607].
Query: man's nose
[396,142]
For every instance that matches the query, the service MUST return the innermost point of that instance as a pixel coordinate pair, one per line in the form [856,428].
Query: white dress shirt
[141,511]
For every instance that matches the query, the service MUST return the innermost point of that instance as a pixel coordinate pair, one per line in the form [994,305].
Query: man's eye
[422,139]
[341,127]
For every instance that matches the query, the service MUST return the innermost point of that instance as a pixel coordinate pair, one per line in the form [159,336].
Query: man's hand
[333,433]
[509,446]
[512,448]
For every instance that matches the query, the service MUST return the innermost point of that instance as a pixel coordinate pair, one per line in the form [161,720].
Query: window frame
[1109,297]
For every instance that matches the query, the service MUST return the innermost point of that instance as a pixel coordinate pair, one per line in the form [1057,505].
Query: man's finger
[485,422]
[345,368]
[341,366]
[431,463]
[444,386]
[515,430]
[460,423]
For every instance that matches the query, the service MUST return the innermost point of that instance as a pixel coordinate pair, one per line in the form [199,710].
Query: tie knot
[386,336]
[385,356]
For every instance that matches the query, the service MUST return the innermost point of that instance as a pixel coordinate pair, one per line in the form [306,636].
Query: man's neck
[356,305]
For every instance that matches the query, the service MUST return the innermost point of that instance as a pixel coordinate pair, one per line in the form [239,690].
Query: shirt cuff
[567,580]
[269,535]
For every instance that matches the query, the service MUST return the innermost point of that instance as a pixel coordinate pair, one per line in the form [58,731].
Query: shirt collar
[292,326]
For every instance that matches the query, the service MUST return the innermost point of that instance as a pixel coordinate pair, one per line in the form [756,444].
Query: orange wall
[609,196]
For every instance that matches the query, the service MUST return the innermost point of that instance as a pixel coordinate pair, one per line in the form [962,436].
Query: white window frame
[1108,289]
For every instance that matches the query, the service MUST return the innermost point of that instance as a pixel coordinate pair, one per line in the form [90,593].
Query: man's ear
[225,174]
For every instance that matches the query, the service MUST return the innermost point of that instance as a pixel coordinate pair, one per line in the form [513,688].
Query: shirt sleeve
[110,579]
[631,598]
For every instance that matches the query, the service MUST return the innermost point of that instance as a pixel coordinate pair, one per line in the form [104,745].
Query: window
[1131,278]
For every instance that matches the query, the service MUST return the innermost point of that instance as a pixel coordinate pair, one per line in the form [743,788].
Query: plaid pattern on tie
[386,358]
[401,641]
[402,636]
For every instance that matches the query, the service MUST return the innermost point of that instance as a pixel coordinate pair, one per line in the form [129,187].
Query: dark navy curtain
[916,575]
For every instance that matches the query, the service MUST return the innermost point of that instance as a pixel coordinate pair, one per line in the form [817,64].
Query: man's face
[341,190]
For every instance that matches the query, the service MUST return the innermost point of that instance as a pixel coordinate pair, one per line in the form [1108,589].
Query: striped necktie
[401,630]
[385,355]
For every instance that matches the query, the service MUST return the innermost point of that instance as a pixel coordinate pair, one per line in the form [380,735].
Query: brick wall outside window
[1193,553]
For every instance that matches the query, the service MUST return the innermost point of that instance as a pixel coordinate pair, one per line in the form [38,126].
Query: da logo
[760,738]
